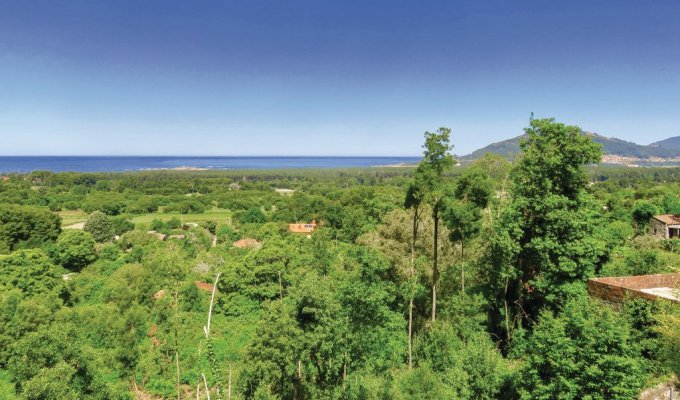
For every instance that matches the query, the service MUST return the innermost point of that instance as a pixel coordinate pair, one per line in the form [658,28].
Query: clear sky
[319,77]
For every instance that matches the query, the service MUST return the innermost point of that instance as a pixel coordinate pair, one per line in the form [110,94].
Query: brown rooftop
[204,286]
[652,287]
[669,219]
[247,243]
[302,228]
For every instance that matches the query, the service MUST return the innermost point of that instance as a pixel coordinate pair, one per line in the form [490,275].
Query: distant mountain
[610,146]
[670,143]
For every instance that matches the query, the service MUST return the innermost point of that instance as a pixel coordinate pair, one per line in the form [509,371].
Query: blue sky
[328,77]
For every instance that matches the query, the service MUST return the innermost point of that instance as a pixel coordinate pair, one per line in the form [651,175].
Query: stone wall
[658,229]
[617,289]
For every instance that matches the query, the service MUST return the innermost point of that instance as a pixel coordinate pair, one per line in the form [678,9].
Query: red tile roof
[302,228]
[669,219]
[204,286]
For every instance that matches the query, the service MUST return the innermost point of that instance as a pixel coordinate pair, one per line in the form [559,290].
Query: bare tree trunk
[280,286]
[207,390]
[229,384]
[462,264]
[505,304]
[176,338]
[206,328]
[412,273]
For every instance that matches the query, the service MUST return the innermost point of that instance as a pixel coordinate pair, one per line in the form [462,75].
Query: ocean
[9,164]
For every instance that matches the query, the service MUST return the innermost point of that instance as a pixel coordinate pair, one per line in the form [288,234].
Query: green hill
[610,146]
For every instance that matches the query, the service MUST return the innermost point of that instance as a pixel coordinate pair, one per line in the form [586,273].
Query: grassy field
[216,214]
[72,217]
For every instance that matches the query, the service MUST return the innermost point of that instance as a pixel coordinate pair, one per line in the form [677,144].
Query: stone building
[665,226]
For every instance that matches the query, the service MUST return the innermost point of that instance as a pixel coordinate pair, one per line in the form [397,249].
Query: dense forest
[432,282]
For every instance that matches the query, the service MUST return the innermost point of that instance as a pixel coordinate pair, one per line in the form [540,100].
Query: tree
[274,353]
[542,248]
[76,249]
[25,227]
[584,353]
[642,213]
[428,187]
[99,226]
[462,211]
[31,271]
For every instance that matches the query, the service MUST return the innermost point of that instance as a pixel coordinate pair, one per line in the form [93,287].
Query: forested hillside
[510,148]
[670,143]
[434,282]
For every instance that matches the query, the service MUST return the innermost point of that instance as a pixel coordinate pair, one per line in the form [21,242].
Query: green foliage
[31,271]
[586,352]
[669,328]
[642,213]
[76,249]
[107,203]
[210,226]
[253,216]
[25,227]
[99,226]
[52,363]
[466,359]
[121,225]
[543,246]
[328,316]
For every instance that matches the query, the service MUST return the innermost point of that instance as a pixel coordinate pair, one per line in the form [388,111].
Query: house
[247,244]
[651,287]
[666,226]
[302,228]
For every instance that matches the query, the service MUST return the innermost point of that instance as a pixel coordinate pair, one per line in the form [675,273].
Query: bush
[110,252]
[157,224]
[210,226]
[99,226]
[75,249]
[253,216]
[226,233]
[121,225]
[173,223]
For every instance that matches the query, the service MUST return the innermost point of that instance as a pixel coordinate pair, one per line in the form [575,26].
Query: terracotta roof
[204,286]
[669,219]
[302,228]
[247,243]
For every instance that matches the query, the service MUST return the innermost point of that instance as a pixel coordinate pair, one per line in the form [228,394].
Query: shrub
[253,216]
[121,225]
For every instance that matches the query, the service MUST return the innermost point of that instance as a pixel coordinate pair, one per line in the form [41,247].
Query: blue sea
[10,164]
